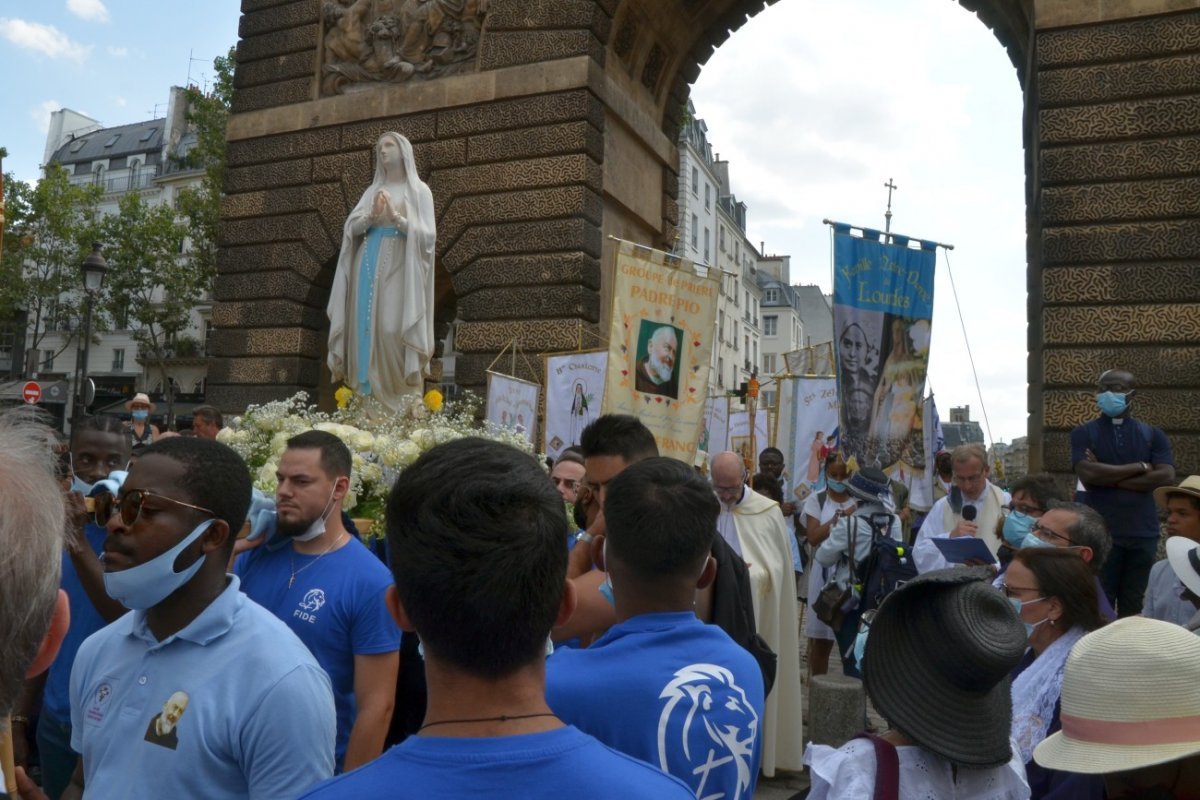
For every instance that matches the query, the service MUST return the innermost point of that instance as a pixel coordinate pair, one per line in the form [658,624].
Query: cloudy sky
[816,105]
[114,60]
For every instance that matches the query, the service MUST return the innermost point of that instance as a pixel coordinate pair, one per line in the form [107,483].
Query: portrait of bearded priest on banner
[657,367]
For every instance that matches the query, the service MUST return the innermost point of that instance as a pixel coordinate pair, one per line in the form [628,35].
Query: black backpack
[888,565]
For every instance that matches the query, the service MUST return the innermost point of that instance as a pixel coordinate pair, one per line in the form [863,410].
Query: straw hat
[1112,719]
[937,662]
[140,397]
[1190,486]
[869,484]
[1184,555]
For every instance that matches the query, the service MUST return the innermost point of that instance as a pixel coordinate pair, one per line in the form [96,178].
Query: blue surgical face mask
[860,645]
[1112,404]
[318,525]
[140,415]
[1017,527]
[835,486]
[1017,605]
[147,585]
[1033,540]
[606,585]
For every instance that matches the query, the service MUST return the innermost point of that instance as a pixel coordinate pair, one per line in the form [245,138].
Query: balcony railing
[144,179]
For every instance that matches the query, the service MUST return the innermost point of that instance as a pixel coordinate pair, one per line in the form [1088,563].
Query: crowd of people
[618,625]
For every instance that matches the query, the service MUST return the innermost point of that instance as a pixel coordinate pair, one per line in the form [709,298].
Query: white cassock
[755,530]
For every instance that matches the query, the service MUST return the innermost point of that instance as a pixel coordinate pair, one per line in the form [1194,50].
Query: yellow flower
[433,400]
[342,396]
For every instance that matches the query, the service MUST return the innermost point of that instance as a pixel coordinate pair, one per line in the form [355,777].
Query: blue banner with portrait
[882,313]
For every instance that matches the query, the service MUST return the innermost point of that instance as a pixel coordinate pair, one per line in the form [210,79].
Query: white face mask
[318,524]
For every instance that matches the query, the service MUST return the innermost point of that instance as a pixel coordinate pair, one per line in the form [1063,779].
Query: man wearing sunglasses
[260,716]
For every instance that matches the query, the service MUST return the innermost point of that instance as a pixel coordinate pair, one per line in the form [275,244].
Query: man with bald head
[753,527]
[1121,461]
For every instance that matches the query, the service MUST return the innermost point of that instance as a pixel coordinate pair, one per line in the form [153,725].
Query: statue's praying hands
[383,210]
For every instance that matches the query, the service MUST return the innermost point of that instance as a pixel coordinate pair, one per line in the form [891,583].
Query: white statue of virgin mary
[381,304]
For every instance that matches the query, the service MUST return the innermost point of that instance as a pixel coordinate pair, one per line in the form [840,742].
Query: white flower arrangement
[382,442]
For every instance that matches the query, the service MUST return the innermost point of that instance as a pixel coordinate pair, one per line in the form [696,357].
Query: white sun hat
[1129,699]
[1184,555]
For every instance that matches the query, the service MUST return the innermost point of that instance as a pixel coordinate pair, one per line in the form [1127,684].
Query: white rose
[423,438]
[406,453]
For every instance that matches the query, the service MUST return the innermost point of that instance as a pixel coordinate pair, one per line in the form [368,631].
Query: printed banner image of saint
[162,729]
[896,404]
[656,369]
[583,410]
[858,371]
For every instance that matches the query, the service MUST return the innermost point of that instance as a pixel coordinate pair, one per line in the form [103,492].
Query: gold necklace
[292,557]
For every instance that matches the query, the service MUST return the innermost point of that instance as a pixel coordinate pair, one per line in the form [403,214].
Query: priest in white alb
[970,488]
[753,526]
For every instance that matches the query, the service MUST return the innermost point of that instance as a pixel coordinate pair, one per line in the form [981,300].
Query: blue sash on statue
[366,299]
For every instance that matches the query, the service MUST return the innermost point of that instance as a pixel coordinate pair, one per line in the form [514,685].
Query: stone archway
[562,131]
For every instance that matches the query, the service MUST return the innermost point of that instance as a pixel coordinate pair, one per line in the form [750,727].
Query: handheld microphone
[968,513]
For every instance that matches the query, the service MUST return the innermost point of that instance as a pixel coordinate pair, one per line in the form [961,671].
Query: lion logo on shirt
[313,600]
[708,722]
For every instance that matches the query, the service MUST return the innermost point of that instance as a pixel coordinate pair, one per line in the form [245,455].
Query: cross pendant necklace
[292,557]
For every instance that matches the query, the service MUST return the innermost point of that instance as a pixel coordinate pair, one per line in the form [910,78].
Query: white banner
[574,392]
[920,496]
[715,432]
[814,422]
[512,403]
[739,436]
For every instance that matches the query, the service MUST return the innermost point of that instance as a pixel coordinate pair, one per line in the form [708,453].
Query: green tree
[207,114]
[151,282]
[48,232]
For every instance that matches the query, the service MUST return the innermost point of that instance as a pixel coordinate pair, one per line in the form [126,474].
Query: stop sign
[32,392]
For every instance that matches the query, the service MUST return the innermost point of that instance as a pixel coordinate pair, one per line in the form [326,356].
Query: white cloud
[929,99]
[91,10]
[120,101]
[45,39]
[41,114]
[118,52]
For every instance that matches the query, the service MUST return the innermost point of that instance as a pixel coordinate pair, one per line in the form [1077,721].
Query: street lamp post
[94,267]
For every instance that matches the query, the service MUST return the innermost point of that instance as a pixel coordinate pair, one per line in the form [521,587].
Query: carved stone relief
[368,42]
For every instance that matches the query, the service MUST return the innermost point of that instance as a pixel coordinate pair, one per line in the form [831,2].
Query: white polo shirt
[232,706]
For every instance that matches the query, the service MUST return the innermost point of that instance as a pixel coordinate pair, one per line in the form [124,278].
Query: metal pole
[83,369]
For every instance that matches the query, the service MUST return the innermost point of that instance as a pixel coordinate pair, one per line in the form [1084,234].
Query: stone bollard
[836,709]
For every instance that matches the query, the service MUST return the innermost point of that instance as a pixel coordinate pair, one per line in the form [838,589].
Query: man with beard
[320,580]
[656,372]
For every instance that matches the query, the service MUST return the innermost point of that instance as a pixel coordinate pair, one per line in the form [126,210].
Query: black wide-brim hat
[937,664]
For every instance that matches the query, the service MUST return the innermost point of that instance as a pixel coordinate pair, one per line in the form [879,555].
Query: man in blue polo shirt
[328,588]
[661,685]
[1121,461]
[475,534]
[198,692]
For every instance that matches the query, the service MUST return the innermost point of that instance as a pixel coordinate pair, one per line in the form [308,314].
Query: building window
[118,360]
[769,363]
[707,249]
[721,233]
[695,232]
[695,181]
[721,324]
[771,296]
[769,399]
[98,175]
[720,372]
[707,196]
[737,251]
[48,361]
[770,325]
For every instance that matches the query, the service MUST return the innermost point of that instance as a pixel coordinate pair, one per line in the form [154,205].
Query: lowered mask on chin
[148,584]
[318,525]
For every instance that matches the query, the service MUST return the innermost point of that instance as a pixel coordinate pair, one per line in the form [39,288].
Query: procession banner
[739,436]
[814,421]
[512,403]
[882,310]
[574,391]
[920,496]
[814,360]
[715,430]
[660,343]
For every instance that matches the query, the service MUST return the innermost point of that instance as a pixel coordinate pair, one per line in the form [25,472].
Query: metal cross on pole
[887,217]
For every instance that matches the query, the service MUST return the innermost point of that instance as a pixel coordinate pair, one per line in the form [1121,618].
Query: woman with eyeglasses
[1054,593]
[1031,496]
